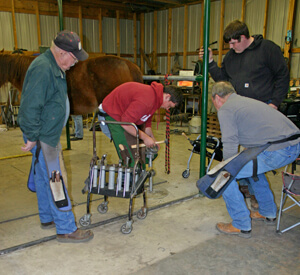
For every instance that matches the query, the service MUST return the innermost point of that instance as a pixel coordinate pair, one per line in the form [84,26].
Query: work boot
[229,229]
[47,225]
[254,203]
[258,217]
[245,191]
[78,236]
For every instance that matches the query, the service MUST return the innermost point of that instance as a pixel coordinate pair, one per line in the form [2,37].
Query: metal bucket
[195,125]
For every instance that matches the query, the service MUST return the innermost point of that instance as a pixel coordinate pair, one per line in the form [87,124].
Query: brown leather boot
[47,225]
[77,236]
[229,229]
[258,217]
[254,203]
[245,191]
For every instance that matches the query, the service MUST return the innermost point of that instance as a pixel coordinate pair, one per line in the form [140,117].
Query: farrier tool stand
[116,180]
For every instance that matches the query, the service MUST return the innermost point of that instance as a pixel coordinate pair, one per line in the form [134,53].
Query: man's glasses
[75,59]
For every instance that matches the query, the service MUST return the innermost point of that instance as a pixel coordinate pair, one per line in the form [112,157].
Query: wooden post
[100,31]
[243,11]
[185,38]
[201,25]
[37,14]
[14,23]
[169,40]
[118,33]
[266,19]
[142,24]
[287,46]
[221,33]
[154,55]
[80,24]
[134,39]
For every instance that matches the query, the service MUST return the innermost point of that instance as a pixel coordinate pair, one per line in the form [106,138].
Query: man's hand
[146,136]
[28,146]
[210,57]
[149,132]
[149,141]
[273,106]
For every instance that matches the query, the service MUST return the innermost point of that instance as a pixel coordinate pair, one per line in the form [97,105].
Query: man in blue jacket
[43,113]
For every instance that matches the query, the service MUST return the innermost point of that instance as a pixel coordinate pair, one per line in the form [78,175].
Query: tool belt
[218,179]
[58,189]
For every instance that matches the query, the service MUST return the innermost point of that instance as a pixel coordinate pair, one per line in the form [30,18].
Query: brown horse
[89,82]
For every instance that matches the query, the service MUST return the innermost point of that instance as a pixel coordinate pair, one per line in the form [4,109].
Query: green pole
[204,88]
[61,28]
[60,15]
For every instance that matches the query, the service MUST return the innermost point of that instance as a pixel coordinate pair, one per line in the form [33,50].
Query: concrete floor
[177,237]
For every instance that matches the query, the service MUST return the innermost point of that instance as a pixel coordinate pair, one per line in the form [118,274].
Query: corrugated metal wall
[254,18]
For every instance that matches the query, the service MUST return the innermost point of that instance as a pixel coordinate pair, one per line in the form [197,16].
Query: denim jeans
[78,125]
[267,161]
[48,212]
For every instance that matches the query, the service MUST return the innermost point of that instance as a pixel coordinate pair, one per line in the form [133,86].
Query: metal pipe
[197,78]
[204,88]
[61,28]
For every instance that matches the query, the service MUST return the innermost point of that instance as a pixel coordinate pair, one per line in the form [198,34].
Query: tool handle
[183,133]
[143,144]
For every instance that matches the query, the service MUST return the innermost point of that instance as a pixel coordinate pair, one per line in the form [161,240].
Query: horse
[88,82]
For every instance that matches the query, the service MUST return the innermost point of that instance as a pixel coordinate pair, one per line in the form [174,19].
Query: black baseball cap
[70,42]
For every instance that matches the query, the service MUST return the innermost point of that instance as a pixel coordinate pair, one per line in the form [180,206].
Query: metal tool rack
[122,181]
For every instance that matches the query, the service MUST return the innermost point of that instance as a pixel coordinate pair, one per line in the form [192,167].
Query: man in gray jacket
[252,123]
[256,68]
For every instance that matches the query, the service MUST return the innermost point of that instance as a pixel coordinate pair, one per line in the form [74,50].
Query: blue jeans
[78,125]
[48,212]
[267,161]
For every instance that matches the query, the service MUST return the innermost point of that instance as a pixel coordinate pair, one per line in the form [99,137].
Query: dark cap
[70,42]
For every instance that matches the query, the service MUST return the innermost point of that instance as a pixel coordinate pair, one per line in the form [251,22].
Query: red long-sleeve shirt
[134,102]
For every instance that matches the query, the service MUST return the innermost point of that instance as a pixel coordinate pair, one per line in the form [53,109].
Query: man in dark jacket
[256,68]
[43,113]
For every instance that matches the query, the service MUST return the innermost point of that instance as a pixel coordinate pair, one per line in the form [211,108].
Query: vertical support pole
[60,15]
[38,24]
[204,87]
[14,23]
[100,31]
[287,46]
[221,33]
[134,39]
[61,27]
[80,25]
[169,39]
[266,18]
[201,24]
[186,14]
[154,53]
[243,10]
[118,33]
[142,29]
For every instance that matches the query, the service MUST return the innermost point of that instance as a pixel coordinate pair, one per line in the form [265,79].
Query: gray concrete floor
[177,237]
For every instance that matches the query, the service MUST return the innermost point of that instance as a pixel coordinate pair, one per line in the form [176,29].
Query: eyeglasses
[75,59]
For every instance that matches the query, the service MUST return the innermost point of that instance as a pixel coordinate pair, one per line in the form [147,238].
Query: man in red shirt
[136,103]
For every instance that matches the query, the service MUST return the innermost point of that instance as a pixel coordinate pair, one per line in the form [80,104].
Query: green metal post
[61,28]
[204,88]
